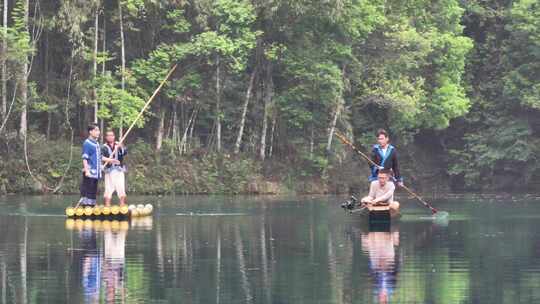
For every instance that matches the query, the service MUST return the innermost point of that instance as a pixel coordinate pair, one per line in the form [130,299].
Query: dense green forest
[262,86]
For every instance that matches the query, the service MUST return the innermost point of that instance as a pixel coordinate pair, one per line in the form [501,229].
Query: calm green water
[270,250]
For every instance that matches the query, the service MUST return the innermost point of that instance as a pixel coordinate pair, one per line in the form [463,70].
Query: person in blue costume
[385,155]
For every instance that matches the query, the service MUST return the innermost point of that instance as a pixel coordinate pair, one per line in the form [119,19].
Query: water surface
[270,250]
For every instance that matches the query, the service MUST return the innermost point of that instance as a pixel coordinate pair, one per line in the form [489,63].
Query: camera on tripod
[350,203]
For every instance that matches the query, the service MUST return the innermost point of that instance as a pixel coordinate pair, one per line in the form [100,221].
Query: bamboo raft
[113,212]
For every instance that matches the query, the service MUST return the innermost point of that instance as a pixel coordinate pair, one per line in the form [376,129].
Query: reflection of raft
[113,212]
[138,223]
[97,225]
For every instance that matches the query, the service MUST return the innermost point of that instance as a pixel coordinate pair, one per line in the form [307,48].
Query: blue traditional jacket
[388,160]
[91,151]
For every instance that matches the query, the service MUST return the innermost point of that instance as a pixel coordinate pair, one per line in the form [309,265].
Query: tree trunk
[271,149]
[183,142]
[161,128]
[49,123]
[123,55]
[333,124]
[267,98]
[46,80]
[104,49]
[244,112]
[174,124]
[312,141]
[190,137]
[96,42]
[218,106]
[24,82]
[3,108]
[104,46]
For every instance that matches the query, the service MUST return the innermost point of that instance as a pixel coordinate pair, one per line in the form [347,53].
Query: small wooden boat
[113,212]
[384,213]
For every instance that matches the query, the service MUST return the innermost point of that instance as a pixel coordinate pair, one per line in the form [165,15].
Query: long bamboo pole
[148,103]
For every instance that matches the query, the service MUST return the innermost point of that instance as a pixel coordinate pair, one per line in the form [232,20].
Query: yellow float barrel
[106,211]
[124,210]
[97,210]
[88,211]
[79,211]
[70,211]
[115,210]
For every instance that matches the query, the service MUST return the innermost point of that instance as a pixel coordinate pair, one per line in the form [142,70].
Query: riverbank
[55,168]
[204,172]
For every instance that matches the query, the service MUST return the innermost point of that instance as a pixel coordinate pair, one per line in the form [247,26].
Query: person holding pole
[384,156]
[114,174]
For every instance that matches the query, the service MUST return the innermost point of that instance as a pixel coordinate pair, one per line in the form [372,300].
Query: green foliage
[450,68]
[416,74]
[498,145]
[501,142]
[522,82]
[18,40]
[118,107]
[176,21]
[232,36]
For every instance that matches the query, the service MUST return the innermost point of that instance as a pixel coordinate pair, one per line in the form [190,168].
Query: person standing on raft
[114,171]
[385,155]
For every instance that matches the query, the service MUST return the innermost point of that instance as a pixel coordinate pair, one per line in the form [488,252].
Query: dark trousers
[89,187]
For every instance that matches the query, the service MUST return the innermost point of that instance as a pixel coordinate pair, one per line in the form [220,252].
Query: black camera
[350,203]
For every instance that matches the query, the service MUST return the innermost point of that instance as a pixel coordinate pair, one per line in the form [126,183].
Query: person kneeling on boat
[115,169]
[381,191]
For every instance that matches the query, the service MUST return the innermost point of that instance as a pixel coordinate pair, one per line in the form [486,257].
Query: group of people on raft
[105,161]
